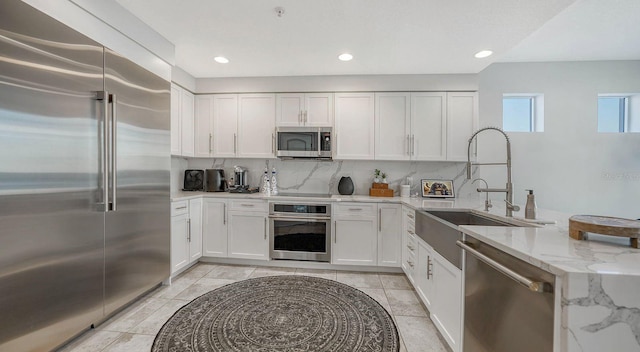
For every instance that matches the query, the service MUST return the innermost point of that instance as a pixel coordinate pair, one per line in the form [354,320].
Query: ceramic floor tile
[175,288]
[419,335]
[133,315]
[395,281]
[321,273]
[152,324]
[272,271]
[403,348]
[91,341]
[355,279]
[405,302]
[201,287]
[131,342]
[198,271]
[231,272]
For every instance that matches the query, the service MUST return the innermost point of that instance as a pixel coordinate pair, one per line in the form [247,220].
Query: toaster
[193,180]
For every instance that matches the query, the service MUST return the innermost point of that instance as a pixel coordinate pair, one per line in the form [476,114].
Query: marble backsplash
[314,176]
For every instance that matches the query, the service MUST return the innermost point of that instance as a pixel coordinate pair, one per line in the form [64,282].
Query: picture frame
[437,188]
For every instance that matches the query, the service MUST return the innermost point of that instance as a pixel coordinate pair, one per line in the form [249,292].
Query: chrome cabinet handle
[409,145]
[410,247]
[224,213]
[306,118]
[429,267]
[185,207]
[355,209]
[247,205]
[188,230]
[210,142]
[266,226]
[535,286]
[335,232]
[379,219]
[235,143]
[273,143]
[410,263]
[410,215]
[413,144]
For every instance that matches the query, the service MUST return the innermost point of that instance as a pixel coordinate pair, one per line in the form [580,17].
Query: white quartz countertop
[548,246]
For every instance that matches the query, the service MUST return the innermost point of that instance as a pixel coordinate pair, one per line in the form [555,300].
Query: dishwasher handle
[535,286]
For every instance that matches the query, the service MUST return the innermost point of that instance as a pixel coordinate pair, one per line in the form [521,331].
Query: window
[618,113]
[522,113]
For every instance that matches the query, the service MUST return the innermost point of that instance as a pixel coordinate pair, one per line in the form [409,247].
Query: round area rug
[280,313]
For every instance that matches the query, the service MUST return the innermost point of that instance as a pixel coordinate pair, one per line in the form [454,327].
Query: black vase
[345,186]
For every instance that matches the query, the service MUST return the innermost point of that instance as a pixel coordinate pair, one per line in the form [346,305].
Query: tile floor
[134,329]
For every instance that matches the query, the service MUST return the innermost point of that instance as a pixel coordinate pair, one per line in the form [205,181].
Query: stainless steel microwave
[303,142]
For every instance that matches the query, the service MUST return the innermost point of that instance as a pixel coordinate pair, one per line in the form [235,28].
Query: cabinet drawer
[411,260]
[351,209]
[412,244]
[179,208]
[249,205]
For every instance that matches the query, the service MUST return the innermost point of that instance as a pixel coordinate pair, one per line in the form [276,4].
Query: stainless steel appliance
[84,180]
[508,303]
[215,181]
[241,175]
[303,142]
[300,231]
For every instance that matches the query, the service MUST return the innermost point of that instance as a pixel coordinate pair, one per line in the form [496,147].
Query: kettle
[215,181]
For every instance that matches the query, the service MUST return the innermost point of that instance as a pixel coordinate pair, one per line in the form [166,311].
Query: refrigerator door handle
[103,204]
[114,151]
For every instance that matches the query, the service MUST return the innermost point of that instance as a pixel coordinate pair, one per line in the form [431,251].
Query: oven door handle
[301,218]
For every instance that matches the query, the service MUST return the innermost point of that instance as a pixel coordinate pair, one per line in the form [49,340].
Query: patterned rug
[280,313]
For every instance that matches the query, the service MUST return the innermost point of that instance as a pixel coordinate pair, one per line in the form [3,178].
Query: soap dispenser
[530,209]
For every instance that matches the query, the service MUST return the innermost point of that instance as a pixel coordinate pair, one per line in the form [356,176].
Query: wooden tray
[380,192]
[380,185]
[604,225]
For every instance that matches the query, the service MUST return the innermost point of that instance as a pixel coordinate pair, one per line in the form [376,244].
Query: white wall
[355,83]
[571,167]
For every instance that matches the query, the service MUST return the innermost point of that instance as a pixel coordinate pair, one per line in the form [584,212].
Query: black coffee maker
[215,181]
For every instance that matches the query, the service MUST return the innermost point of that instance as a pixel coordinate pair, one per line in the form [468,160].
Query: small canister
[405,190]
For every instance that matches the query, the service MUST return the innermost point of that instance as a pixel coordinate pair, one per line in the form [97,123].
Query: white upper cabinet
[182,121]
[392,126]
[204,126]
[462,122]
[256,126]
[225,125]
[300,109]
[428,126]
[354,126]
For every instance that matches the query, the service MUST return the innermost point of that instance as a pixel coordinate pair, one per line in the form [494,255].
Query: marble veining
[619,314]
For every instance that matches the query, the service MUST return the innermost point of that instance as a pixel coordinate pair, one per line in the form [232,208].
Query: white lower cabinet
[389,234]
[355,234]
[214,227]
[186,233]
[424,282]
[447,301]
[248,232]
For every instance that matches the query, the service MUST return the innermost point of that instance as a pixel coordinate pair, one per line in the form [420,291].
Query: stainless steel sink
[467,218]
[439,228]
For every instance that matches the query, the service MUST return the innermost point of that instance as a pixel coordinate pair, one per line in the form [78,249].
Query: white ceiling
[386,37]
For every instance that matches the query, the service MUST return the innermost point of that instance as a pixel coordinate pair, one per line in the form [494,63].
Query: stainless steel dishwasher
[508,303]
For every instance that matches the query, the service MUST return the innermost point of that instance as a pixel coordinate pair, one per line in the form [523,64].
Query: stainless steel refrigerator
[84,180]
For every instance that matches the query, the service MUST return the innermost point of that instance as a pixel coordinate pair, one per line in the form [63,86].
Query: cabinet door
[179,244]
[424,274]
[176,140]
[248,237]
[289,109]
[447,300]
[392,126]
[195,229]
[204,126]
[225,125]
[187,123]
[428,126]
[389,234]
[214,228]
[256,125]
[354,126]
[318,109]
[462,122]
[355,241]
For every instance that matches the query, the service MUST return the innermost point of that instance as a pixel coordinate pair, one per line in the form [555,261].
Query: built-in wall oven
[300,231]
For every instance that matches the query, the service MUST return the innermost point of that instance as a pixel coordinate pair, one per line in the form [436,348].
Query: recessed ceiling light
[483,54]
[221,59]
[345,57]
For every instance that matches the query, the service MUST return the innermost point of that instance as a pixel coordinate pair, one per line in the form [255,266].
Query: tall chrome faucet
[508,190]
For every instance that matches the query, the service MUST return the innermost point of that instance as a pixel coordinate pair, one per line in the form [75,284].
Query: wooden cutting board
[579,225]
